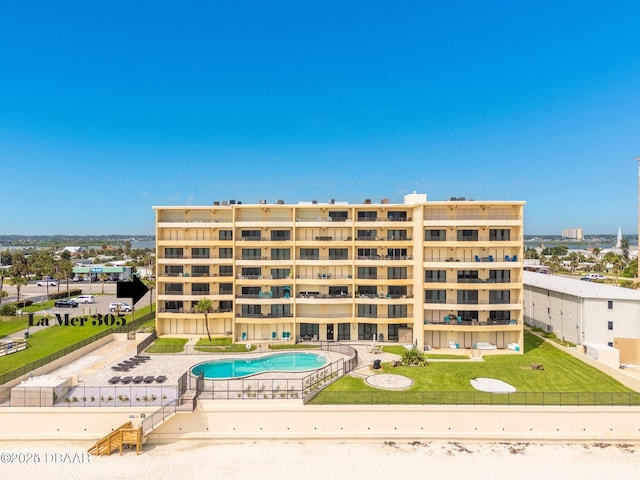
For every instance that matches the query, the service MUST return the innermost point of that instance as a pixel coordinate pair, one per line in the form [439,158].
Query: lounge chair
[138,379]
[274,335]
[114,380]
[446,319]
[243,337]
[459,318]
[491,258]
[477,258]
[161,379]
[149,379]
[126,380]
[514,258]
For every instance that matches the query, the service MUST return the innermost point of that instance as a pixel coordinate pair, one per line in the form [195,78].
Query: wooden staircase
[123,436]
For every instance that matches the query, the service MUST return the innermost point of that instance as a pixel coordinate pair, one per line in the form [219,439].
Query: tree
[3,294]
[18,282]
[103,278]
[624,244]
[204,306]
[151,284]
[64,269]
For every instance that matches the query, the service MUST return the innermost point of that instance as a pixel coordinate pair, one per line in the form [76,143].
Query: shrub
[8,310]
[414,357]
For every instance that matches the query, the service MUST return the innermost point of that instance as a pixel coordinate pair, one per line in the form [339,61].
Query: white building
[573,233]
[581,312]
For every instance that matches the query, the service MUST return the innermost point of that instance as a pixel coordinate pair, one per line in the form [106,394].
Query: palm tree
[64,271]
[204,306]
[151,284]
[103,278]
[18,282]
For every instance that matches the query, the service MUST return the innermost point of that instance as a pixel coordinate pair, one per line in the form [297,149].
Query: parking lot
[36,294]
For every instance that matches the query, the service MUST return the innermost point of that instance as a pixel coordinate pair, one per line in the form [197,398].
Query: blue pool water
[280,362]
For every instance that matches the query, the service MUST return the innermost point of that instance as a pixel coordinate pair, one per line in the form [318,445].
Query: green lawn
[167,345]
[447,382]
[9,325]
[221,345]
[50,340]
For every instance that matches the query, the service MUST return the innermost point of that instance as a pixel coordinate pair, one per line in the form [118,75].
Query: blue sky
[107,109]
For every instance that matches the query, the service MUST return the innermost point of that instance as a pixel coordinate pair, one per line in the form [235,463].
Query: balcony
[264,315]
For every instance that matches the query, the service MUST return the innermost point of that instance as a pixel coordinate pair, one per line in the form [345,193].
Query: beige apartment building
[443,274]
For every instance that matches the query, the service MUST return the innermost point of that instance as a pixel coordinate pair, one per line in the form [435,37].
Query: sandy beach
[323,459]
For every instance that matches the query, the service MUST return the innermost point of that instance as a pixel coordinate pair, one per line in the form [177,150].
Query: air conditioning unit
[224,203]
[216,203]
[332,201]
[314,202]
[367,201]
[232,202]
[280,202]
[262,202]
[385,201]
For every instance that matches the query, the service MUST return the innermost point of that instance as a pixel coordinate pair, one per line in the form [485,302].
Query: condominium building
[431,273]
[573,233]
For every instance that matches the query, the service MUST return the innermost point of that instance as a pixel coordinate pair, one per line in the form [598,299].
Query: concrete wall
[231,420]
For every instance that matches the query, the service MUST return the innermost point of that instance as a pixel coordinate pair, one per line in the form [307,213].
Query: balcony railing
[323,295]
[384,257]
[482,323]
[192,310]
[264,315]
[320,315]
[512,301]
[488,216]
[481,238]
[473,280]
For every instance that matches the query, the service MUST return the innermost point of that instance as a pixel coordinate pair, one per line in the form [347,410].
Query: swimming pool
[241,367]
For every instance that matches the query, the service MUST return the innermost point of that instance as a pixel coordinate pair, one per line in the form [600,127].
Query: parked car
[119,307]
[77,279]
[593,276]
[66,303]
[86,299]
[51,283]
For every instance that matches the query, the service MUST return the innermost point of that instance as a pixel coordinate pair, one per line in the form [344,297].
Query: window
[396,234]
[226,305]
[225,252]
[344,331]
[367,331]
[251,310]
[610,304]
[397,216]
[252,272]
[225,271]
[433,276]
[280,235]
[367,290]
[499,235]
[499,276]
[250,235]
[367,253]
[280,254]
[397,311]
[468,276]
[367,216]
[393,331]
[226,289]
[338,291]
[173,271]
[309,254]
[309,330]
[435,296]
[251,291]
[368,311]
[435,235]
[173,288]
[200,271]
[396,273]
[467,235]
[609,325]
[370,273]
[280,273]
[467,297]
[397,253]
[397,291]
[338,254]
[226,235]
[499,296]
[199,253]
[281,311]
[338,216]
[251,254]
[501,317]
[173,253]
[200,289]
[367,234]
